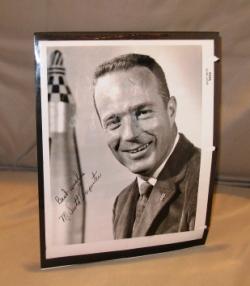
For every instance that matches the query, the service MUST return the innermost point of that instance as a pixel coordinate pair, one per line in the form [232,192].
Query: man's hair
[128,61]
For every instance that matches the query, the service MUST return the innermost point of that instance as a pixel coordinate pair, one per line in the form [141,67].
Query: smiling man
[137,114]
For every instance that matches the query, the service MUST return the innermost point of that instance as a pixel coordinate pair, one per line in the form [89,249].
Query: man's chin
[141,171]
[143,167]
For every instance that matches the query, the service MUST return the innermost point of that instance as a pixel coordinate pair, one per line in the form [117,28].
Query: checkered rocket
[58,90]
[61,102]
[67,226]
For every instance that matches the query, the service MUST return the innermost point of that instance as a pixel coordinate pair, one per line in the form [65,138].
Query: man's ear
[172,106]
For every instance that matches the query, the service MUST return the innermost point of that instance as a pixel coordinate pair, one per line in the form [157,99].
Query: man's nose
[130,129]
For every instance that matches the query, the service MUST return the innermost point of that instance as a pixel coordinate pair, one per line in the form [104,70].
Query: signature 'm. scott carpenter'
[74,195]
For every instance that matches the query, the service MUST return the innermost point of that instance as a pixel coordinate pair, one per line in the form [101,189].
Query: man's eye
[113,123]
[143,113]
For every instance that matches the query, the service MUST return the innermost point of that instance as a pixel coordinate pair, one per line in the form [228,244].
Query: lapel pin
[163,195]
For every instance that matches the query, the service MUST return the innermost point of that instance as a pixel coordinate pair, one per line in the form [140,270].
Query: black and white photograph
[125,131]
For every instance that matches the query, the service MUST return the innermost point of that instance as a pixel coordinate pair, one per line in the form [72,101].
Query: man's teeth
[143,147]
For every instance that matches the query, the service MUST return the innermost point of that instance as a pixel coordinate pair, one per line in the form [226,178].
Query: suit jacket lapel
[165,188]
[160,196]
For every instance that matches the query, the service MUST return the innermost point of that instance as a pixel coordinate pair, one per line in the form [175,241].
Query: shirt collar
[153,180]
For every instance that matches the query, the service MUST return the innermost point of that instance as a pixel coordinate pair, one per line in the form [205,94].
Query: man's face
[139,126]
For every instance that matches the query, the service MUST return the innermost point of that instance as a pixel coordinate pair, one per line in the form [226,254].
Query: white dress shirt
[152,180]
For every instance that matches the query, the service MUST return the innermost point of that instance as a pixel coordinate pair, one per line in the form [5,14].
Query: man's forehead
[135,84]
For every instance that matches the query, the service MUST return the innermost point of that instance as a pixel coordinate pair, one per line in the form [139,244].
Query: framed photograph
[125,135]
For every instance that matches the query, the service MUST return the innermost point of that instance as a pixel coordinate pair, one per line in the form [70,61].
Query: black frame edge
[95,257]
[115,35]
[123,254]
[40,173]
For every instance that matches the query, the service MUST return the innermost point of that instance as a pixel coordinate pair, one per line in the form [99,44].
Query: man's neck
[152,179]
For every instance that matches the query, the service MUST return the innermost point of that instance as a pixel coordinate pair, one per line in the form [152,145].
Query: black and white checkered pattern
[58,90]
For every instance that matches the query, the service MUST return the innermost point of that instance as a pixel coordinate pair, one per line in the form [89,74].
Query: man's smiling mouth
[138,149]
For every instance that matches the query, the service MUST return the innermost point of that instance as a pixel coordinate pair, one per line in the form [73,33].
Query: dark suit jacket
[171,206]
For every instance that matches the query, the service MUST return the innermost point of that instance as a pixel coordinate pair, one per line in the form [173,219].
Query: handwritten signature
[73,197]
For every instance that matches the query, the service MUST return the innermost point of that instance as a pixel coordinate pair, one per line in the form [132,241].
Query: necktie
[145,189]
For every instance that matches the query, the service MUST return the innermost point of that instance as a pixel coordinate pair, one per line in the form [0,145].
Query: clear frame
[83,215]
